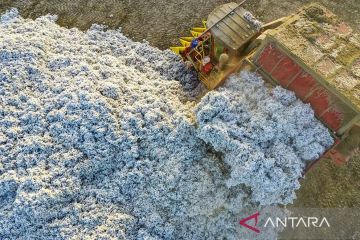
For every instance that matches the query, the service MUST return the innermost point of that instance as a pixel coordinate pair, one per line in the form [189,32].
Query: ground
[328,185]
[158,21]
[162,22]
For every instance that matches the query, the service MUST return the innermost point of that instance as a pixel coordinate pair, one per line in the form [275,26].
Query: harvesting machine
[312,53]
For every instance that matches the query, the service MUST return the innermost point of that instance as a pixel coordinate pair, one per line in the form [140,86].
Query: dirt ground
[161,22]
[330,185]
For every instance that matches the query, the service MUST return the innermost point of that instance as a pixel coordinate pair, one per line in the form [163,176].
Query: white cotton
[99,140]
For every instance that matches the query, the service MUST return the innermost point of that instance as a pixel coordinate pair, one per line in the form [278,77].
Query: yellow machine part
[178,50]
[195,34]
[186,41]
[198,29]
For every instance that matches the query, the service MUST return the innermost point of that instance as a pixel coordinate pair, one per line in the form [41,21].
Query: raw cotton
[99,140]
[264,136]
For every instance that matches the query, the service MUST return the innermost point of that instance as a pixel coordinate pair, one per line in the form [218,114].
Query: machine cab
[217,51]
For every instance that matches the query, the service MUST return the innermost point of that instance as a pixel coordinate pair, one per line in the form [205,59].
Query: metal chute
[186,41]
[178,50]
[198,29]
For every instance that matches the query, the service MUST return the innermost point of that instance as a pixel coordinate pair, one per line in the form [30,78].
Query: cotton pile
[265,136]
[103,138]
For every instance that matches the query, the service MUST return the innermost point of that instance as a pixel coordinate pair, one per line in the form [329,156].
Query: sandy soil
[158,21]
[331,185]
[162,22]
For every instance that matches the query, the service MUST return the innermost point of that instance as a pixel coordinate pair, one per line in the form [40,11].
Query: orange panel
[285,71]
[302,85]
[332,119]
[339,114]
[333,111]
[269,58]
[319,100]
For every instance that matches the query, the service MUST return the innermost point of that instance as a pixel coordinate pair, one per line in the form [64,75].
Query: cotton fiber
[103,138]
